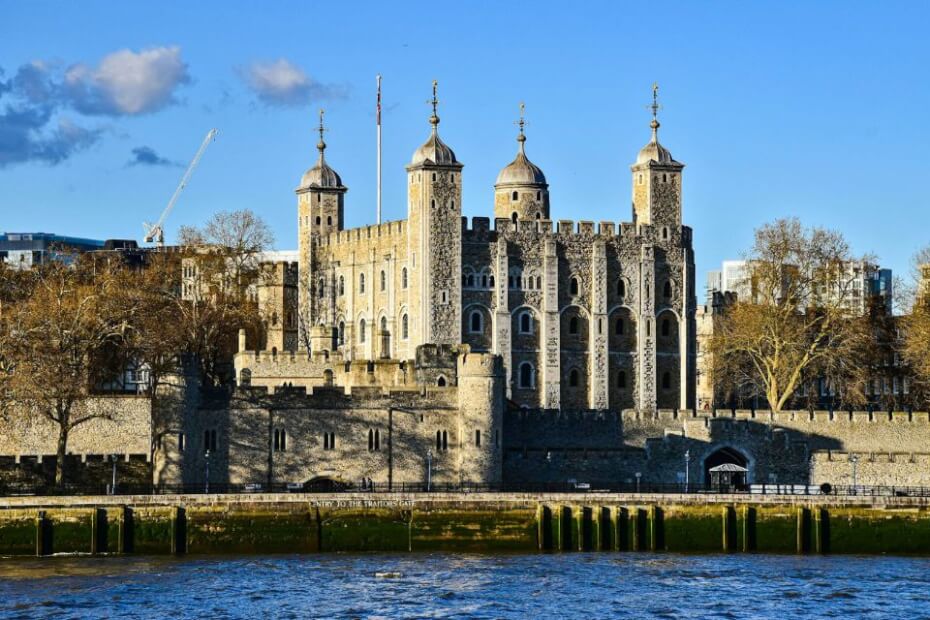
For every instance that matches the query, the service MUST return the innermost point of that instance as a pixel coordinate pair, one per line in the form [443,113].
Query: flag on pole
[379,99]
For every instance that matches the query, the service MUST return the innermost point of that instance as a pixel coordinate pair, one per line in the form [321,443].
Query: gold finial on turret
[321,146]
[434,119]
[655,107]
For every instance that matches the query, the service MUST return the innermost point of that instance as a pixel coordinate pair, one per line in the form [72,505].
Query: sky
[812,110]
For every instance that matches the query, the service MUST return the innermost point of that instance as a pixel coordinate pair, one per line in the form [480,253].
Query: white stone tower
[434,198]
[320,207]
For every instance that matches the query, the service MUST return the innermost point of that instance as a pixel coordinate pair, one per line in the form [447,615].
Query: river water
[593,585]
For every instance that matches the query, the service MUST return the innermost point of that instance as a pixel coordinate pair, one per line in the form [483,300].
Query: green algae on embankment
[489,523]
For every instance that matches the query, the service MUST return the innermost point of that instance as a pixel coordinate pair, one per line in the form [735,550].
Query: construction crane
[156,232]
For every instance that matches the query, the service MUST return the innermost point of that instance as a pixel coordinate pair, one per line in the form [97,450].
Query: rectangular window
[478,439]
[180,442]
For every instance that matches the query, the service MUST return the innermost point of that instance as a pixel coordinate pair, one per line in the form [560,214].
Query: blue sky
[815,110]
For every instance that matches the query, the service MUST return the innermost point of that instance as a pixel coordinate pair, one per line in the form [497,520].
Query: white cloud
[126,82]
[281,82]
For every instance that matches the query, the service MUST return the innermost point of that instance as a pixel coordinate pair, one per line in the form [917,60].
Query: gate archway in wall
[727,457]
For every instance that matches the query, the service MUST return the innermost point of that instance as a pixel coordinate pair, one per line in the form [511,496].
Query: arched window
[342,332]
[526,323]
[383,324]
[432,203]
[491,281]
[377,439]
[383,280]
[361,283]
[573,377]
[438,440]
[573,286]
[538,282]
[515,195]
[361,330]
[648,327]
[664,232]
[484,281]
[618,327]
[538,197]
[441,381]
[667,290]
[404,327]
[526,375]
[477,438]
[434,176]
[476,322]
[621,288]
[342,285]
[445,440]
[666,381]
[513,216]
[321,288]
[573,325]
[471,281]
[329,220]
[371,440]
[318,220]
[665,327]
[621,379]
[664,178]
[403,278]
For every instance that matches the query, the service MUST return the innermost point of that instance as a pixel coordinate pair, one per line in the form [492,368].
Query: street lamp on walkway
[687,469]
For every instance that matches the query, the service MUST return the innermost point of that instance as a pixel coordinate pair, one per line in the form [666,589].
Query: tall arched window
[321,288]
[403,278]
[475,321]
[361,330]
[342,332]
[538,282]
[361,283]
[342,285]
[573,286]
[490,281]
[526,323]
[526,375]
[621,288]
[515,195]
[513,216]
[371,440]
[383,280]
[383,324]
[329,220]
[573,377]
[573,325]
[404,327]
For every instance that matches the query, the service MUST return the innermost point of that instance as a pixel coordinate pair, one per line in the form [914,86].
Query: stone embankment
[480,522]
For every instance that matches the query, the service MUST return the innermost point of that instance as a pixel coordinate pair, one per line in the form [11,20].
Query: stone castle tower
[585,316]
[434,242]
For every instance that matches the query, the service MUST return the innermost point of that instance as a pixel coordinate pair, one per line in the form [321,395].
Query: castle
[584,316]
[518,351]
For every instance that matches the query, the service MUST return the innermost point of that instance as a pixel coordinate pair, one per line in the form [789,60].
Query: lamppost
[638,476]
[854,459]
[687,469]
[206,480]
[429,469]
[113,457]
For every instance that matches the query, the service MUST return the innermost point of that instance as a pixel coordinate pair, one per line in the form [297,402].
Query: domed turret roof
[655,151]
[434,151]
[321,175]
[521,171]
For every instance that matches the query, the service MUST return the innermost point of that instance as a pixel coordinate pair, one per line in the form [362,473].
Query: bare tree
[915,345]
[54,341]
[798,322]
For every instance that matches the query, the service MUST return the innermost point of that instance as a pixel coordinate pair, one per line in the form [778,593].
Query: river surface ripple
[594,585]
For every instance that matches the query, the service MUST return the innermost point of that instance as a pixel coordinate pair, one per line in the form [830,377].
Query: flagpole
[379,150]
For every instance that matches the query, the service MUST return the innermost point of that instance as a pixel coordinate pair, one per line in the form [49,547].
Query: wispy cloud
[124,83]
[282,83]
[147,156]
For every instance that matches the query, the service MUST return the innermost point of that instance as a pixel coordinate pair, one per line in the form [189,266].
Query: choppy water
[596,585]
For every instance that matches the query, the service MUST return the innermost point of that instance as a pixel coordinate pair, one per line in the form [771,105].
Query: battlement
[480,365]
[782,417]
[385,230]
